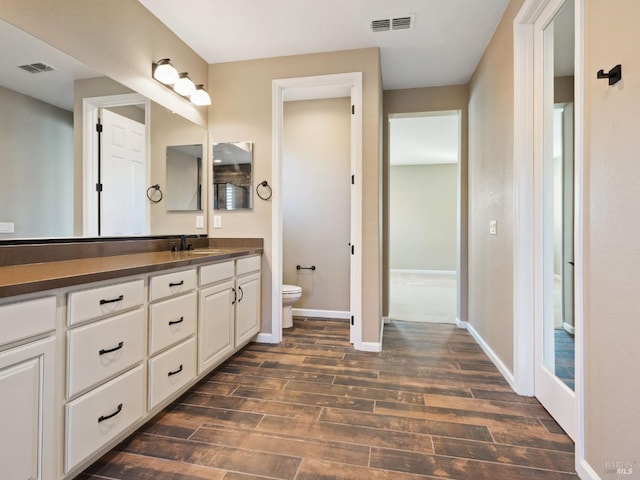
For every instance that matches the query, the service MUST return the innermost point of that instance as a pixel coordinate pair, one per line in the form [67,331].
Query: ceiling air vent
[36,67]
[404,22]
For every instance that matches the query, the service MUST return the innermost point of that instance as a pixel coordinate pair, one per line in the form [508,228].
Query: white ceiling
[443,47]
[424,139]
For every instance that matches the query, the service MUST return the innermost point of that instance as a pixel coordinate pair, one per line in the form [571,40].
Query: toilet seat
[288,290]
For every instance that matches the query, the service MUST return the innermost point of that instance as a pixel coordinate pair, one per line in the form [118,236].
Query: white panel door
[123,176]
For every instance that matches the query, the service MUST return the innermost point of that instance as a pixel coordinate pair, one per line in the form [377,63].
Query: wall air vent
[38,67]
[404,22]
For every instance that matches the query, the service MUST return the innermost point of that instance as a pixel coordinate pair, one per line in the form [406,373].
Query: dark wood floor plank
[342,452]
[348,433]
[220,457]
[431,405]
[490,452]
[454,468]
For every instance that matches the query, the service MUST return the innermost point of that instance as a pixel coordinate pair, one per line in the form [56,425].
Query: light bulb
[184,86]
[165,73]
[200,96]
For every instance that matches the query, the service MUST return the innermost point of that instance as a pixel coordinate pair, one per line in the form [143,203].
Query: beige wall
[611,237]
[423,217]
[241,110]
[417,100]
[491,191]
[120,38]
[316,188]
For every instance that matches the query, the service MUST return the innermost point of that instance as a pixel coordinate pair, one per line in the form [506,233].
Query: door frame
[307,88]
[525,247]
[90,113]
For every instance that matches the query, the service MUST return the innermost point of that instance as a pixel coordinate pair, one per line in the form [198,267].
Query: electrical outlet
[217,221]
[493,227]
[199,221]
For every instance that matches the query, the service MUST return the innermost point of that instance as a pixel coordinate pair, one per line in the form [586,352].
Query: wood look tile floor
[430,406]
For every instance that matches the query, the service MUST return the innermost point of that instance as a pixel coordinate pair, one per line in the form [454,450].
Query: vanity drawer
[170,284]
[103,349]
[171,370]
[216,272]
[171,321]
[102,414]
[27,319]
[248,264]
[102,301]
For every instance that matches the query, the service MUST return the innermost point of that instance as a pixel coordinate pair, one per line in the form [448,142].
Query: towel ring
[155,187]
[266,194]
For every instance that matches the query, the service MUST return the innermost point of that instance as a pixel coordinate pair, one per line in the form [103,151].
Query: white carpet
[422,297]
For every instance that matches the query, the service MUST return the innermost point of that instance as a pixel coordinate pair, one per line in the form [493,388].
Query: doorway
[109,168]
[424,161]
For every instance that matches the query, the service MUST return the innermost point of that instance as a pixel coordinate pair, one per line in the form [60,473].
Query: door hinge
[99,127]
[352,321]
[353,250]
[353,109]
[98,187]
[353,179]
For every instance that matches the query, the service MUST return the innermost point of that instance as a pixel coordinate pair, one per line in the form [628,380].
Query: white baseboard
[461,323]
[371,346]
[569,328]
[311,312]
[386,320]
[426,272]
[502,368]
[265,338]
[585,472]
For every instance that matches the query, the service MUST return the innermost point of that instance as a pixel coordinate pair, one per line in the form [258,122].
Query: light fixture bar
[180,83]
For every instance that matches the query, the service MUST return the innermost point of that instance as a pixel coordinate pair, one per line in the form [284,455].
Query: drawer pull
[176,372]
[113,300]
[176,284]
[175,322]
[109,350]
[107,417]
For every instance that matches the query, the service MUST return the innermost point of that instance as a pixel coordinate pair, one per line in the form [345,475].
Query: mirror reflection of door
[122,166]
[554,302]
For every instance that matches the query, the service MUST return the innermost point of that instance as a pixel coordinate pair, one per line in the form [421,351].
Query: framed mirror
[184,177]
[232,164]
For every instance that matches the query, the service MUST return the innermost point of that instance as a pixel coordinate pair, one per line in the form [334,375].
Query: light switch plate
[199,221]
[7,227]
[217,221]
[493,227]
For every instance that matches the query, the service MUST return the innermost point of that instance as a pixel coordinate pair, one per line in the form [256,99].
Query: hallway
[431,405]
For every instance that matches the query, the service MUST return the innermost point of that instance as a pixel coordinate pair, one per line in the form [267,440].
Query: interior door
[122,206]
[554,358]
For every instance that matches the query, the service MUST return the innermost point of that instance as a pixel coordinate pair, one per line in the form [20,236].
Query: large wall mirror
[232,175]
[58,180]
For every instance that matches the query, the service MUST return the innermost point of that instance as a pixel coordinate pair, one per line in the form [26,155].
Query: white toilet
[290,295]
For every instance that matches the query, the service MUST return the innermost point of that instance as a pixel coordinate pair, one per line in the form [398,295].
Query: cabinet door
[215,335]
[26,411]
[247,308]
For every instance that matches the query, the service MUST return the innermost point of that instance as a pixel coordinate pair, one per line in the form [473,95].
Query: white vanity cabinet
[247,306]
[27,383]
[172,329]
[106,342]
[229,308]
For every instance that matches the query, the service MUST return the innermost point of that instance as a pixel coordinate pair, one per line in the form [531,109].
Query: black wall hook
[614,75]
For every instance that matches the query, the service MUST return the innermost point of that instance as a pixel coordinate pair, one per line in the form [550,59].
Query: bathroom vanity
[92,348]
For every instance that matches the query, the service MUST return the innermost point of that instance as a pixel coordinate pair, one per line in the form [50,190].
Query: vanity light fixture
[200,97]
[184,86]
[180,83]
[164,72]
